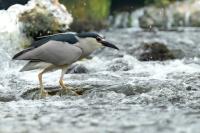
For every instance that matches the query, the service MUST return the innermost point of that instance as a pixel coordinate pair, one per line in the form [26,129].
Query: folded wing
[55,52]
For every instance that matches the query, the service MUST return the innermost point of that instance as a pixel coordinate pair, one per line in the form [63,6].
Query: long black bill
[107,44]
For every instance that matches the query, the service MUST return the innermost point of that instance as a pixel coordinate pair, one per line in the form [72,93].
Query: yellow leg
[43,92]
[63,85]
[65,88]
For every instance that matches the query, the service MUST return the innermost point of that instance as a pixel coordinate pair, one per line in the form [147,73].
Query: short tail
[32,65]
[16,57]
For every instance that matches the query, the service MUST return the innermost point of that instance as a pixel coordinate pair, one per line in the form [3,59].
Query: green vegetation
[88,14]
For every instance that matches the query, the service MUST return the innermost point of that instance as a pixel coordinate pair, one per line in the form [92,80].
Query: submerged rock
[77,68]
[7,97]
[119,65]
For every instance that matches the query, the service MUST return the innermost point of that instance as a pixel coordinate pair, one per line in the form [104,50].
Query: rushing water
[120,93]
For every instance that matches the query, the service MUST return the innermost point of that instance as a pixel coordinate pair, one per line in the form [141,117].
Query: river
[119,93]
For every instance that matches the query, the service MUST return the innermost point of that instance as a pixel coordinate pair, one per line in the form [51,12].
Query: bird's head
[96,40]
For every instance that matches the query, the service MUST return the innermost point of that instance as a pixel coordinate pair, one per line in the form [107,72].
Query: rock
[129,89]
[154,51]
[44,18]
[119,65]
[77,68]
[7,98]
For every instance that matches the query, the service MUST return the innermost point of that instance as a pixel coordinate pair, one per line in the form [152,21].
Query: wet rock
[119,65]
[130,89]
[154,51]
[34,93]
[7,97]
[42,20]
[77,68]
[178,53]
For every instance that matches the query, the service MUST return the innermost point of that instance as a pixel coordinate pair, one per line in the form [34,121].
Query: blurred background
[97,15]
[151,85]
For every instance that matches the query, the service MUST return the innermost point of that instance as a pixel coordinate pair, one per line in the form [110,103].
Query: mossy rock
[88,14]
[155,51]
[39,21]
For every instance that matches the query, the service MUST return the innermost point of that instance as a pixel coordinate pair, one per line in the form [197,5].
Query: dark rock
[34,93]
[154,51]
[7,98]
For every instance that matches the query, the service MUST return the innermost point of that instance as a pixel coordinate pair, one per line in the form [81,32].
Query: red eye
[98,39]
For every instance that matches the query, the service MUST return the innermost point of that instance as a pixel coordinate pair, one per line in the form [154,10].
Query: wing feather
[68,37]
[55,52]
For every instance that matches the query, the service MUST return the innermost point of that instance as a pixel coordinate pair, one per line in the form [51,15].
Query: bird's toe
[44,94]
[67,91]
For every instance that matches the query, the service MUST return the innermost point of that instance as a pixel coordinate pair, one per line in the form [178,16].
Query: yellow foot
[67,91]
[43,94]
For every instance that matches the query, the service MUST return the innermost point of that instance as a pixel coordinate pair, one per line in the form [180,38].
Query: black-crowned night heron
[58,52]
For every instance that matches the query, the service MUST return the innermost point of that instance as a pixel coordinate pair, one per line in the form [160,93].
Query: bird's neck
[88,45]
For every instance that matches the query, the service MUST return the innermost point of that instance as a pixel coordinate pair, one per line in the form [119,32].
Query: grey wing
[55,52]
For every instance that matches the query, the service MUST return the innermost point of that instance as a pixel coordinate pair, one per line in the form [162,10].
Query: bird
[59,51]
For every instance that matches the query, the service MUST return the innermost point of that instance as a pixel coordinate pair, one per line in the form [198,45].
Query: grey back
[55,52]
